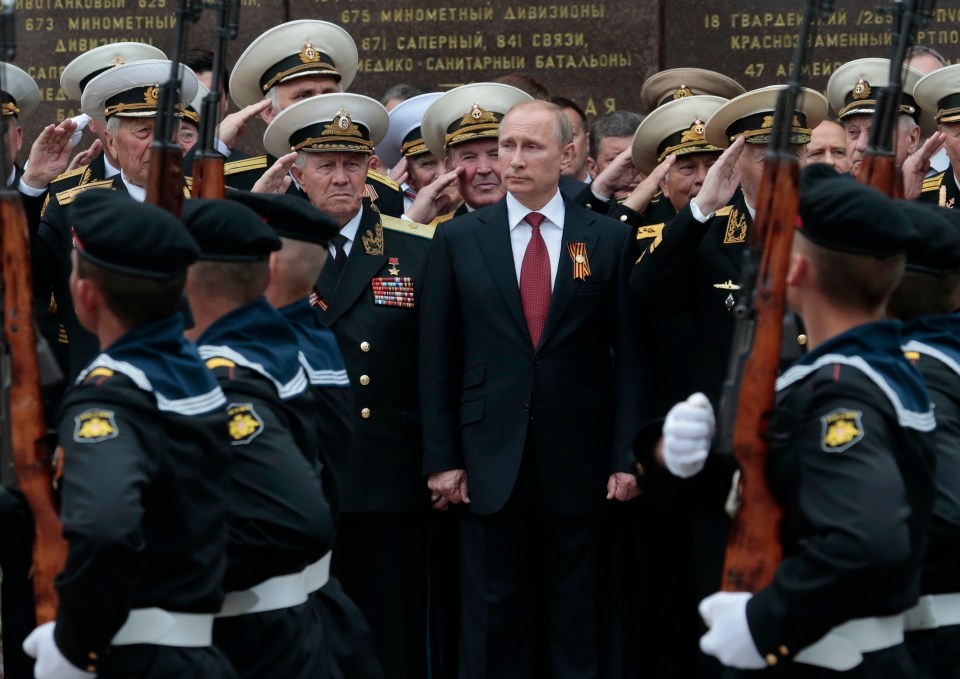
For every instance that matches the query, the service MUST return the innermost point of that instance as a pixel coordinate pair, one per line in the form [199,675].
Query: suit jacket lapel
[493,238]
[575,229]
[360,268]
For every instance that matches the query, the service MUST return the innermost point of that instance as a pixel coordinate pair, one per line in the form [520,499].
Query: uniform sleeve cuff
[221,148]
[699,216]
[28,190]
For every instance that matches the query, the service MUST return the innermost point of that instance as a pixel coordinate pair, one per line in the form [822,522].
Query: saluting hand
[50,154]
[277,179]
[434,199]
[640,197]
[235,124]
[400,172]
[618,176]
[85,157]
[721,181]
[916,166]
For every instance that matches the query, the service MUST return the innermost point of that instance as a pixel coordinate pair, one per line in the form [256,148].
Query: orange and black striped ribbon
[581,265]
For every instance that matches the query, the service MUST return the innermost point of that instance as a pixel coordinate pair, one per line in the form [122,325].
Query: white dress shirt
[350,231]
[108,169]
[551,229]
[137,193]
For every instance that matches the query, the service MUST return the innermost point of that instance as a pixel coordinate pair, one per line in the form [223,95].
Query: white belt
[283,591]
[163,628]
[317,574]
[933,611]
[843,647]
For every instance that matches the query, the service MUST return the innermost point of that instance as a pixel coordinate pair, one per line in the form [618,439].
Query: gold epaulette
[404,226]
[383,179]
[440,219]
[244,165]
[188,187]
[652,231]
[656,199]
[70,195]
[724,211]
[933,183]
[98,372]
[219,362]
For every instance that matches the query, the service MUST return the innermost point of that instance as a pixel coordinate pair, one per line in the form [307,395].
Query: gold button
[802,340]
[784,651]
[364,346]
[772,659]
[91,668]
[365,413]
[623,218]
[364,380]
[589,206]
[92,655]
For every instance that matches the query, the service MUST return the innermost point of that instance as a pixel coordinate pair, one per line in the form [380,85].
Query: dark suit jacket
[483,386]
[379,343]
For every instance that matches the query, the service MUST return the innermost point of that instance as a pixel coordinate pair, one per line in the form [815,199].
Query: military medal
[394,267]
[395,291]
[581,265]
[729,302]
[316,299]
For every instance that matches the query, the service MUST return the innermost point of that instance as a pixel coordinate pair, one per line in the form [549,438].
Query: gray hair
[274,95]
[401,91]
[907,123]
[113,126]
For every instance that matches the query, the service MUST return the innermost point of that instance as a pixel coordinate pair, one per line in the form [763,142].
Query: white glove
[729,639]
[81,121]
[687,433]
[50,661]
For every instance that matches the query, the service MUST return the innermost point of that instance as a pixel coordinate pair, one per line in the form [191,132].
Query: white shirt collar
[350,228]
[108,169]
[13,175]
[553,210]
[137,193]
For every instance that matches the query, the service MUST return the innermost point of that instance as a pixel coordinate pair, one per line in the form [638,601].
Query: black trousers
[283,644]
[937,651]
[16,560]
[531,584]
[165,662]
[381,560]
[348,640]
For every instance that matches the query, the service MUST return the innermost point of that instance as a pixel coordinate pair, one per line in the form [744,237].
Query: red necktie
[535,280]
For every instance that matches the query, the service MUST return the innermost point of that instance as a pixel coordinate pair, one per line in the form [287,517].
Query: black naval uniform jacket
[379,346]
[941,189]
[145,471]
[279,518]
[851,462]
[333,400]
[693,267]
[484,386]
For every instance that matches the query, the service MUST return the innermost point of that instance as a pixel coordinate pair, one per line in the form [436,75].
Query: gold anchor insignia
[152,95]
[341,125]
[682,92]
[373,240]
[862,89]
[477,114]
[728,285]
[943,202]
[695,133]
[308,55]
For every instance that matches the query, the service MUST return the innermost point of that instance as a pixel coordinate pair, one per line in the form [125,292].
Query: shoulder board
[71,173]
[245,165]
[933,183]
[188,187]
[651,231]
[99,372]
[440,219]
[70,195]
[724,211]
[46,202]
[383,179]
[403,226]
[656,199]
[220,362]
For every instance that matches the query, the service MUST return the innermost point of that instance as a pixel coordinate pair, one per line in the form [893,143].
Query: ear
[110,142]
[273,267]
[19,140]
[592,167]
[374,162]
[267,115]
[914,139]
[665,187]
[297,173]
[798,271]
[566,156]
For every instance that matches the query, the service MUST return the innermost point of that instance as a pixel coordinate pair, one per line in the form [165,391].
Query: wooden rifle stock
[26,423]
[165,180]
[208,175]
[753,549]
[881,172]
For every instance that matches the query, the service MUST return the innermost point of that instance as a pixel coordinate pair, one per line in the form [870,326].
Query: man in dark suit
[529,390]
[369,295]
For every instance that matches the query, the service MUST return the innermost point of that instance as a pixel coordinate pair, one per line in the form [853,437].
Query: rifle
[207,161]
[879,168]
[165,182]
[24,360]
[753,549]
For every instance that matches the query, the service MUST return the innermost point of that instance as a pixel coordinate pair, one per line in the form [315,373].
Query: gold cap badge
[308,54]
[862,89]
[682,92]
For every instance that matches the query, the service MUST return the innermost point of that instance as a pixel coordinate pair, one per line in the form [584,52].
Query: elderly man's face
[685,178]
[334,182]
[131,147]
[952,143]
[298,89]
[608,150]
[858,135]
[480,182]
[828,144]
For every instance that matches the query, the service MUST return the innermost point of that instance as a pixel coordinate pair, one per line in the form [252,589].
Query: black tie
[340,255]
